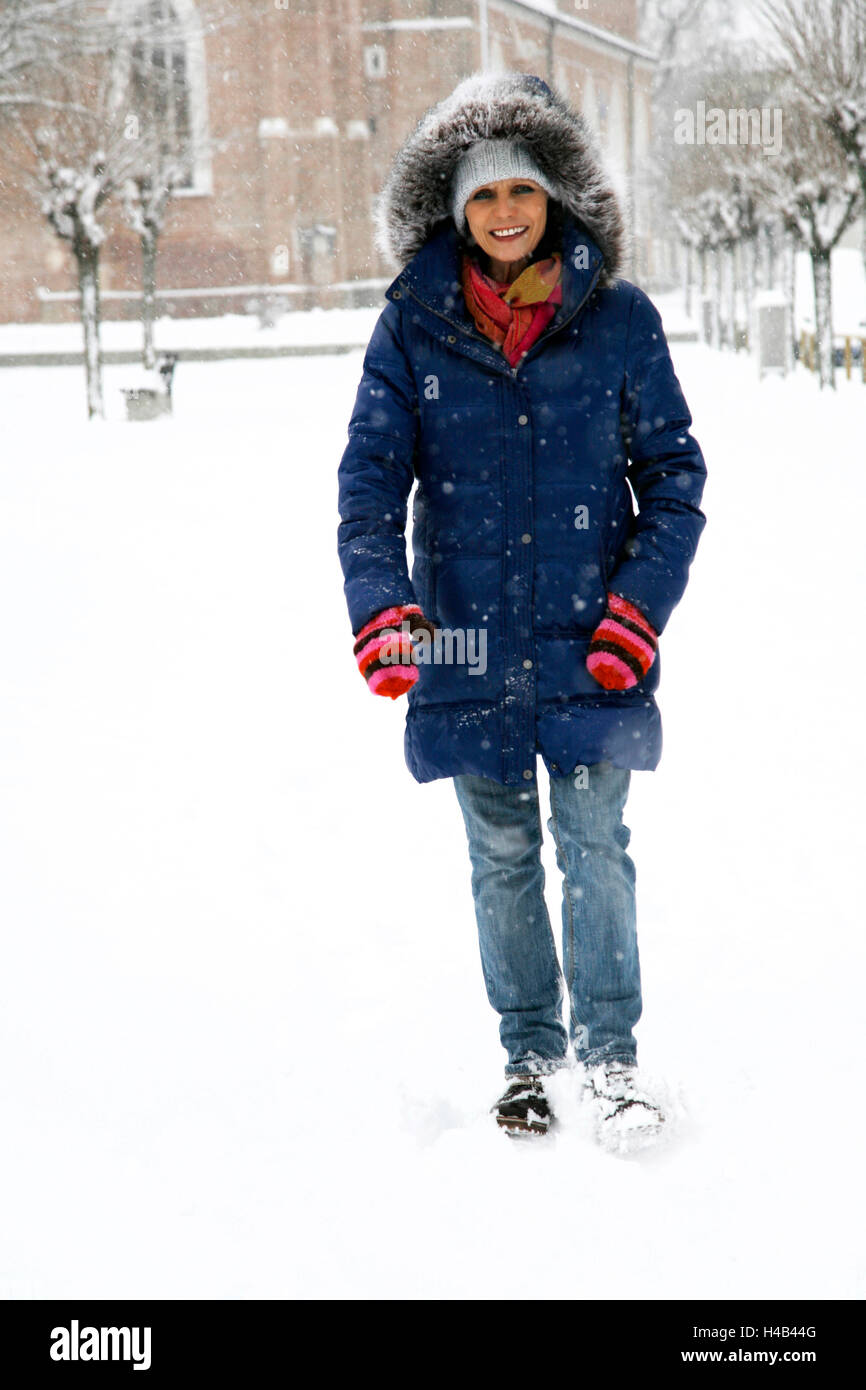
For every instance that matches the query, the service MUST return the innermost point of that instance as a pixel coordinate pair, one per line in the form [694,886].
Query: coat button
[397,294]
[526,538]
[523,419]
[527,774]
[452,338]
[527,664]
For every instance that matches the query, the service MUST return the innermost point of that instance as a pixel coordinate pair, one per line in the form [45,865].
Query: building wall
[618,16]
[306,102]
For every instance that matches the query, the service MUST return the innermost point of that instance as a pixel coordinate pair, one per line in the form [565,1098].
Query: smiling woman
[507,219]
[497,185]
[510,280]
[554,399]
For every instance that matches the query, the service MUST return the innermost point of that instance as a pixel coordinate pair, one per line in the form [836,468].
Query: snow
[138,378]
[248,1049]
[769,299]
[427,22]
[672,307]
[317,327]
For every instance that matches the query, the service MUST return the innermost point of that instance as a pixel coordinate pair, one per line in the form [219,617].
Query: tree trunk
[790,288]
[750,258]
[765,276]
[823,318]
[689,278]
[771,258]
[716,334]
[148,295]
[87,261]
[732,294]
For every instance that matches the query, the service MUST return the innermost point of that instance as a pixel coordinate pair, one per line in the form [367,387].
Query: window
[167,85]
[317,247]
[160,87]
[375,60]
[602,109]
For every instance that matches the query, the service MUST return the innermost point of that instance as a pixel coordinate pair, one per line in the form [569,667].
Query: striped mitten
[623,646]
[384,653]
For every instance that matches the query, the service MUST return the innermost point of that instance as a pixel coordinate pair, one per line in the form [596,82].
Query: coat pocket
[571,569]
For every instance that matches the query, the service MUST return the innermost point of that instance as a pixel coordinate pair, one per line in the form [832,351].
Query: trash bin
[706,318]
[143,402]
[148,393]
[771,316]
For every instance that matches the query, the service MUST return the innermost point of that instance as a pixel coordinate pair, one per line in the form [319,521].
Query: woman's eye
[518,188]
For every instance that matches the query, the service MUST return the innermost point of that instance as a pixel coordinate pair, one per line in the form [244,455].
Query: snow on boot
[523,1108]
[627,1116]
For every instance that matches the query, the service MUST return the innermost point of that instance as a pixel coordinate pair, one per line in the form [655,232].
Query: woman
[524,387]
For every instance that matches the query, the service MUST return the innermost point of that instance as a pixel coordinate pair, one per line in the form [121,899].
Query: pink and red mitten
[623,646]
[384,652]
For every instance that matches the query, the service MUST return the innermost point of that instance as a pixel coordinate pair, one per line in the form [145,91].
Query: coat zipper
[551,332]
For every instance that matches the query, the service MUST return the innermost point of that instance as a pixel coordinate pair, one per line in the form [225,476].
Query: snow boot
[523,1108]
[627,1115]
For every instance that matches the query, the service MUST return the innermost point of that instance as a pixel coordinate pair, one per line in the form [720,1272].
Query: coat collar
[432,276]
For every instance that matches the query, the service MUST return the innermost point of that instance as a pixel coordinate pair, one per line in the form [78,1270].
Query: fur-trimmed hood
[495,106]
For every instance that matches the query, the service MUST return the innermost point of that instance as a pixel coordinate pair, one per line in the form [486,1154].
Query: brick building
[292,110]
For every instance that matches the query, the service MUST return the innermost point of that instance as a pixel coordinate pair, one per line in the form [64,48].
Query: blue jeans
[601,968]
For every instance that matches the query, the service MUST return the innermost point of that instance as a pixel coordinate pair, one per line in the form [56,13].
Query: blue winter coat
[523,518]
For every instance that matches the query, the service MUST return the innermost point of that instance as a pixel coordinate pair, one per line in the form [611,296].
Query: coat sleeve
[375,477]
[666,470]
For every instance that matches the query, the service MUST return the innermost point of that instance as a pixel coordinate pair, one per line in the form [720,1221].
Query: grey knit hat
[485,162]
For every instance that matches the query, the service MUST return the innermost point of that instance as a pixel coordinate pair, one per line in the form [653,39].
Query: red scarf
[513,315]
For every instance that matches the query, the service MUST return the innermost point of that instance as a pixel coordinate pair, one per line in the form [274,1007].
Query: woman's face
[515,208]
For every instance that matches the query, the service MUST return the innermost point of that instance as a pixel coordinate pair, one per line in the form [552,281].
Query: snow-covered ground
[317,327]
[247,1047]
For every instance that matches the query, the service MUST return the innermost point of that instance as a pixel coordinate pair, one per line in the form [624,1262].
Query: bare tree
[75,156]
[93,124]
[25,39]
[38,40]
[823,47]
[701,222]
[152,50]
[146,195]
[690,239]
[667,26]
[818,196]
[160,122]
[745,204]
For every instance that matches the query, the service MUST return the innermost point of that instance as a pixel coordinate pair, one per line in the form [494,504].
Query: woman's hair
[551,239]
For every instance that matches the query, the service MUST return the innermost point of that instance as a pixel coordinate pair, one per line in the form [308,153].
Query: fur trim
[490,106]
